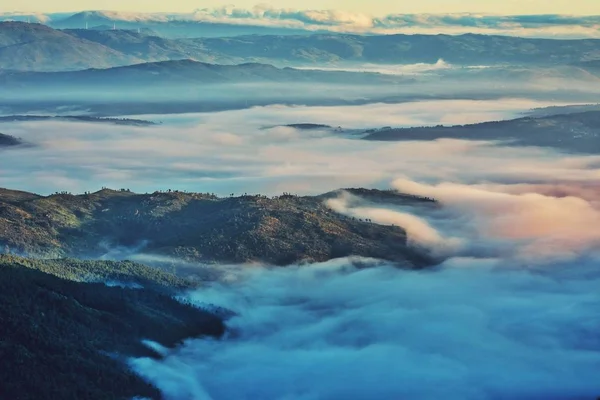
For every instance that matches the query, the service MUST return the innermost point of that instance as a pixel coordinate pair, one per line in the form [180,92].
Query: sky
[372,7]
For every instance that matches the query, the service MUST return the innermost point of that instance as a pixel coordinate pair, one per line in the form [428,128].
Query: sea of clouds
[468,329]
[511,311]
[249,151]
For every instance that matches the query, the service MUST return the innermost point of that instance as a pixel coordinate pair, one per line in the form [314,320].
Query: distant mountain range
[466,49]
[38,47]
[180,86]
[149,76]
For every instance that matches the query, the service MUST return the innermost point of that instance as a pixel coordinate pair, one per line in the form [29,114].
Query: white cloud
[540,225]
[562,26]
[420,233]
[232,152]
[25,16]
[472,329]
[352,22]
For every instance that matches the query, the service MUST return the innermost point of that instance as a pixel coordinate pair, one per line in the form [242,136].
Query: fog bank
[471,329]
[248,151]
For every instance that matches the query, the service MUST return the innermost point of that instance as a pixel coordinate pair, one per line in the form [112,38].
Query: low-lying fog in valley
[253,151]
[470,329]
[518,228]
[517,292]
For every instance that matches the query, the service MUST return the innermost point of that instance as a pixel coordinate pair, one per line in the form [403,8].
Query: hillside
[7,140]
[40,48]
[120,273]
[195,227]
[147,76]
[144,46]
[562,110]
[68,340]
[469,49]
[574,132]
[71,118]
[592,66]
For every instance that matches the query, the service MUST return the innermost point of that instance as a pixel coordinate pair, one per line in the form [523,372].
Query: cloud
[25,16]
[341,21]
[563,26]
[233,152]
[539,225]
[472,329]
[420,233]
[405,69]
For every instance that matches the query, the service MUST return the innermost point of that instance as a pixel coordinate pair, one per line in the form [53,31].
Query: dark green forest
[63,339]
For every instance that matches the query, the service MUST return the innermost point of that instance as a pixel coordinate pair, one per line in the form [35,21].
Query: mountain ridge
[42,47]
[32,46]
[196,227]
[188,71]
[577,132]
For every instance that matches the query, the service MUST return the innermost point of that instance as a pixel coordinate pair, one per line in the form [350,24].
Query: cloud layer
[540,225]
[342,21]
[511,312]
[473,329]
[233,152]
